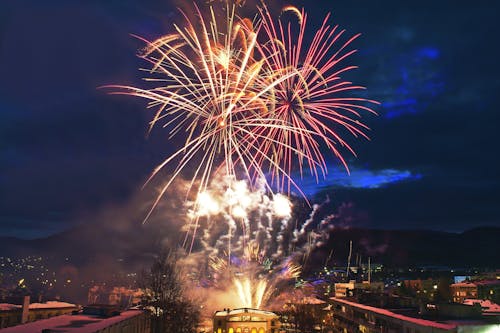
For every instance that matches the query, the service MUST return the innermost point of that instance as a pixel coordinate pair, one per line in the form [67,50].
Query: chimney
[26,309]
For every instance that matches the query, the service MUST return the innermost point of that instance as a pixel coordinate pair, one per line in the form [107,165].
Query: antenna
[349,258]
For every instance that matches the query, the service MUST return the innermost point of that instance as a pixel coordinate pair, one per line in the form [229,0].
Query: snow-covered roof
[243,310]
[488,283]
[308,300]
[33,306]
[477,283]
[72,323]
[417,321]
[51,305]
[8,307]
[464,284]
[487,305]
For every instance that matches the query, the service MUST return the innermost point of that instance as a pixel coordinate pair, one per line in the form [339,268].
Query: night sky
[69,150]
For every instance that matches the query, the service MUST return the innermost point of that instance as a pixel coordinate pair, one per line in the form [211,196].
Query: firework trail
[210,93]
[253,98]
[316,101]
[250,241]
[249,98]
[238,246]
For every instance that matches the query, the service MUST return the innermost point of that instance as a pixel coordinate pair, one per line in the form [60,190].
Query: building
[428,285]
[487,289]
[305,314]
[463,290]
[120,296]
[488,307]
[245,320]
[352,287]
[351,317]
[132,321]
[14,314]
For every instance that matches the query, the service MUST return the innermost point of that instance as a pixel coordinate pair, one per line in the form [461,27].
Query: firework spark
[240,226]
[210,92]
[258,252]
[315,101]
[253,98]
[250,98]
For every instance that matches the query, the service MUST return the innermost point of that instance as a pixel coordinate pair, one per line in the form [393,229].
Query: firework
[253,98]
[260,251]
[210,93]
[249,97]
[240,226]
[314,102]
[237,219]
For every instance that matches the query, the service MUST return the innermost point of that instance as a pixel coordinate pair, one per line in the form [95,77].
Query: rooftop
[306,300]
[487,305]
[229,312]
[72,323]
[32,306]
[477,283]
[387,313]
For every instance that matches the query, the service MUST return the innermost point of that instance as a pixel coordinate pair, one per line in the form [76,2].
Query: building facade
[486,290]
[351,317]
[350,288]
[245,320]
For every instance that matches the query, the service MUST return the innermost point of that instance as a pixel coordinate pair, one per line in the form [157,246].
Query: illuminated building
[350,288]
[351,317]
[428,285]
[245,320]
[476,290]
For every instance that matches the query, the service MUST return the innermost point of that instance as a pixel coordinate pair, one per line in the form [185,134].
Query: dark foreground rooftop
[80,323]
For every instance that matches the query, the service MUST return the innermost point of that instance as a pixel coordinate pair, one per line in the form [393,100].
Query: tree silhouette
[171,311]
